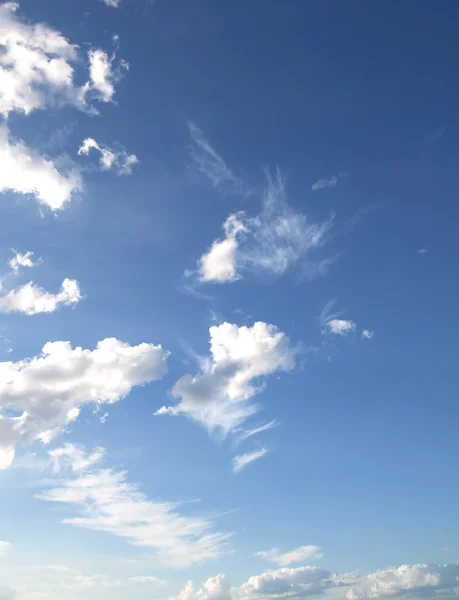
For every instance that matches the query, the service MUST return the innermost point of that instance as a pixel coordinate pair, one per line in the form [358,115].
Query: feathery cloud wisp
[298,555]
[241,461]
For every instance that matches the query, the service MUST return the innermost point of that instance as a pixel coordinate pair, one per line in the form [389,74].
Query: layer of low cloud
[241,461]
[220,396]
[24,171]
[118,160]
[298,555]
[40,396]
[36,68]
[271,242]
[104,500]
[406,581]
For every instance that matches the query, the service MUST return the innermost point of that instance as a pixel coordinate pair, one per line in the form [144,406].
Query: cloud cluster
[220,396]
[22,260]
[215,588]
[269,243]
[36,68]
[120,160]
[40,396]
[328,182]
[106,501]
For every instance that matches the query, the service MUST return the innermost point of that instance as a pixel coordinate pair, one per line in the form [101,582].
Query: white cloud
[208,162]
[242,460]
[103,75]
[328,182]
[25,172]
[147,579]
[4,547]
[220,396]
[407,579]
[219,263]
[288,583]
[368,334]
[22,260]
[40,396]
[31,299]
[120,161]
[269,243]
[215,588]
[256,430]
[113,3]
[422,251]
[340,327]
[106,501]
[36,69]
[285,559]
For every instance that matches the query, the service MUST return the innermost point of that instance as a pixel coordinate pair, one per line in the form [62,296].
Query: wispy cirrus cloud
[106,501]
[241,461]
[208,163]
[270,242]
[328,182]
[298,555]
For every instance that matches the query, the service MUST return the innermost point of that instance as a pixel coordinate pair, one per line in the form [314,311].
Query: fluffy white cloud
[103,75]
[4,547]
[285,559]
[368,334]
[25,172]
[215,588]
[270,242]
[113,3]
[287,583]
[220,396]
[22,260]
[36,68]
[106,501]
[340,327]
[407,579]
[31,299]
[328,182]
[208,162]
[40,396]
[241,461]
[120,160]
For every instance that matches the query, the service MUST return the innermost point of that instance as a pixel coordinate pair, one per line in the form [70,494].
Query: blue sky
[228,299]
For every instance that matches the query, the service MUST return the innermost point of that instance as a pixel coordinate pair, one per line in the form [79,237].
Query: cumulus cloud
[40,396]
[36,68]
[106,501]
[26,172]
[328,182]
[30,299]
[285,559]
[113,3]
[208,163]
[215,588]
[120,160]
[103,74]
[407,579]
[22,260]
[242,460]
[220,396]
[270,242]
[340,327]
